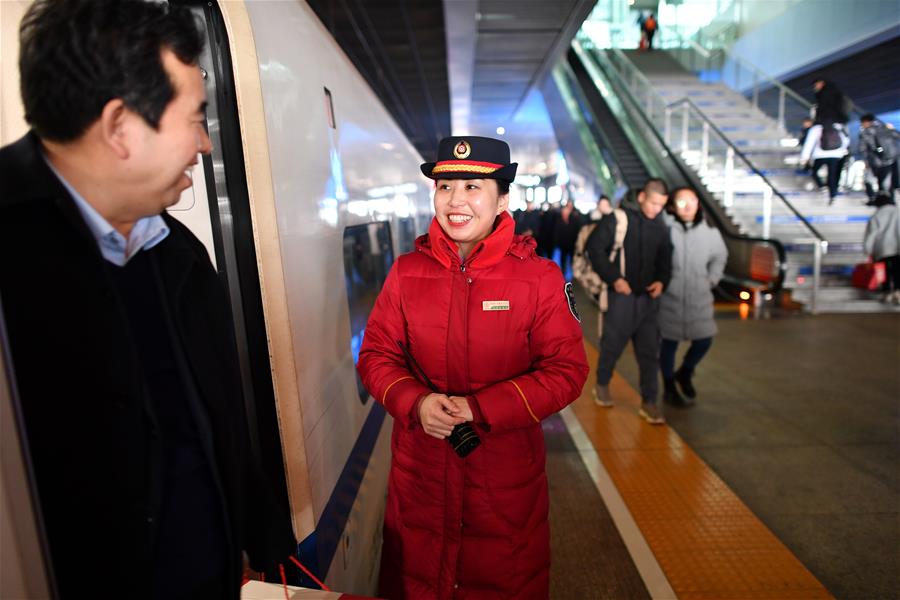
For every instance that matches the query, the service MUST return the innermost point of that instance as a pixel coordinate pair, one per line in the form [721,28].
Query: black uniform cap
[471,157]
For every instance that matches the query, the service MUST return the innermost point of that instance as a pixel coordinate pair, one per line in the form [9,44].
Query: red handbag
[868,275]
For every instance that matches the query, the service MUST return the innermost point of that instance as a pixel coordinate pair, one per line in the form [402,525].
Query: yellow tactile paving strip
[708,543]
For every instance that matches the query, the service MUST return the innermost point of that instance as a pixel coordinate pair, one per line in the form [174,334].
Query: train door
[217,210]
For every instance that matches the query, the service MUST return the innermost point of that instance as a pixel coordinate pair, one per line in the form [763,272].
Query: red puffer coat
[474,527]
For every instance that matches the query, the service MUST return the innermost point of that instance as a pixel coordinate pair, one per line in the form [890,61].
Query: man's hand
[655,289]
[438,415]
[621,286]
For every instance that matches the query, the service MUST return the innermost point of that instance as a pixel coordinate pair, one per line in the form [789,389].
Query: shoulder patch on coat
[570,298]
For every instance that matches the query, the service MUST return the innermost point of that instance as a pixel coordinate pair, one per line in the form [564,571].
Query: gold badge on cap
[462,150]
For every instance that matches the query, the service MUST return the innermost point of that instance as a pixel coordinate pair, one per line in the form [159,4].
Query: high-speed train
[309,194]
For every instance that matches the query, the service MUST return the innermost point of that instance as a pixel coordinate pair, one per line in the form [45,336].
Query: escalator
[625,136]
[607,128]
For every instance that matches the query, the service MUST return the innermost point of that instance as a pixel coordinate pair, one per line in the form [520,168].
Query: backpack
[581,264]
[884,147]
[831,137]
[582,270]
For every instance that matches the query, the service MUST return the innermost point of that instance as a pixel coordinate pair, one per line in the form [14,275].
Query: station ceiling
[399,48]
[462,66]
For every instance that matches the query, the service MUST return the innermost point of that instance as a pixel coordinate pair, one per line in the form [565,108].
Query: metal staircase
[749,162]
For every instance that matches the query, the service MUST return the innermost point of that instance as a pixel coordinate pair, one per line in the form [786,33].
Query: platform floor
[783,479]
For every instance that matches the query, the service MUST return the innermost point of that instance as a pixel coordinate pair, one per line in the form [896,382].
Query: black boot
[684,381]
[671,395]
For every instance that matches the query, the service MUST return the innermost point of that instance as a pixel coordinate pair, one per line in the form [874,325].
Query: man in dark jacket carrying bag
[878,147]
[119,329]
[634,294]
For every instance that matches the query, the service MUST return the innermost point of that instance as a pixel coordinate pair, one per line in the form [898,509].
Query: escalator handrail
[567,77]
[743,157]
[687,175]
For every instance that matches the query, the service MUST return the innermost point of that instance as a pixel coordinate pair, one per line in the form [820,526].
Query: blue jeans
[695,353]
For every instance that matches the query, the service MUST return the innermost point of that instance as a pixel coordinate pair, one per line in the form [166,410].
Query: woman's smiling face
[466,210]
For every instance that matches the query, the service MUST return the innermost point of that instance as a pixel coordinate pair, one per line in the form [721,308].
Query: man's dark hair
[656,185]
[77,55]
[867,118]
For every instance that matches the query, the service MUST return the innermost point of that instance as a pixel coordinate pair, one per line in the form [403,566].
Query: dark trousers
[892,271]
[881,175]
[694,355]
[631,317]
[834,173]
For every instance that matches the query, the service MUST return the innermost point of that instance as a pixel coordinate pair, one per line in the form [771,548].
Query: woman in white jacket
[686,308]
[827,145]
[882,242]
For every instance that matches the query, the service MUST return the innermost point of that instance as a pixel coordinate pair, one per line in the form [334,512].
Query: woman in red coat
[494,329]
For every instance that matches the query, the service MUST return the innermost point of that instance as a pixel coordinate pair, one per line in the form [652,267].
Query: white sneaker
[602,397]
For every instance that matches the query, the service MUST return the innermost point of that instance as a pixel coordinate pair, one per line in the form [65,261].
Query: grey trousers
[631,318]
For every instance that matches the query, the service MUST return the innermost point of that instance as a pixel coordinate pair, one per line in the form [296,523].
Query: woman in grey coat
[882,242]
[686,308]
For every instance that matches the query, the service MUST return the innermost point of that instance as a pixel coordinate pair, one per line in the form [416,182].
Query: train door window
[368,256]
[406,234]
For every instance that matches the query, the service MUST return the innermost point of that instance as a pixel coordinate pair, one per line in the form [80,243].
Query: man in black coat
[634,295]
[119,329]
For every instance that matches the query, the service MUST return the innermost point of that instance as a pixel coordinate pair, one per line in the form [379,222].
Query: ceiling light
[501,130]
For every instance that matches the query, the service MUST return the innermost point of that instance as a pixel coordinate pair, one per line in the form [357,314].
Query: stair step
[776,154]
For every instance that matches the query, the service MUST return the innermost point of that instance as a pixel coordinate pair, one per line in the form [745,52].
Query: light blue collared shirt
[146,233]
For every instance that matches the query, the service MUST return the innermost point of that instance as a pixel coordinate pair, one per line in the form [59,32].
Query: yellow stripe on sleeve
[525,400]
[384,398]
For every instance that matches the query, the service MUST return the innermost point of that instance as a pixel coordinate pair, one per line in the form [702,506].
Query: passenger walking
[686,308]
[119,329]
[564,235]
[528,221]
[878,148]
[648,28]
[495,333]
[634,293]
[546,237]
[882,242]
[604,207]
[831,104]
[826,145]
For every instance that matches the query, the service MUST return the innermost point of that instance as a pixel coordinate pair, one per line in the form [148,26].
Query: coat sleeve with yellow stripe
[558,364]
[382,366]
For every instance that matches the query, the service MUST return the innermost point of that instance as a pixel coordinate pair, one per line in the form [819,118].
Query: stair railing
[756,85]
[711,153]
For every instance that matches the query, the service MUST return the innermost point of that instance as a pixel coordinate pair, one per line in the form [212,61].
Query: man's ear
[114,127]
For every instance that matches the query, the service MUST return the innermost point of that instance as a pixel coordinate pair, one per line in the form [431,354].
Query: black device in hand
[463,438]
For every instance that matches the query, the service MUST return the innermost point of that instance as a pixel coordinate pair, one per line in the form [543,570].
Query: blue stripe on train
[782,219]
[318,549]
